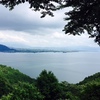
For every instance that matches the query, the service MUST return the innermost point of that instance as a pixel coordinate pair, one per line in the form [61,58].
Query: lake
[71,67]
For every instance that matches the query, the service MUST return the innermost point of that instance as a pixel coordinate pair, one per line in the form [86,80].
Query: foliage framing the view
[84,15]
[47,6]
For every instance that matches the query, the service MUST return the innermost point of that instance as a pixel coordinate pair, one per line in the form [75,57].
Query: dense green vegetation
[15,85]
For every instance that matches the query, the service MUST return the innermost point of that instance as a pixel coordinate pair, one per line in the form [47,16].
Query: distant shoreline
[22,51]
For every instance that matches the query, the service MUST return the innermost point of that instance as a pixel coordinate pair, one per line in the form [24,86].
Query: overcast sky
[23,28]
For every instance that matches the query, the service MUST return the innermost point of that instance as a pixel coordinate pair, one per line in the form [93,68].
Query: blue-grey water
[71,67]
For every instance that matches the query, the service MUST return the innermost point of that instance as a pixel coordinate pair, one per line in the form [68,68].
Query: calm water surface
[72,67]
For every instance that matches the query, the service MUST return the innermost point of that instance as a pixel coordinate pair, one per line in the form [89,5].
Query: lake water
[71,67]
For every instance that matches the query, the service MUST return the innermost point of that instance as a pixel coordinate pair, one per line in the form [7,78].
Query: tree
[49,86]
[23,91]
[45,5]
[91,91]
[84,15]
[5,87]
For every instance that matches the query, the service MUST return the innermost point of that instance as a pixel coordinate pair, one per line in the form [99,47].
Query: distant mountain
[4,48]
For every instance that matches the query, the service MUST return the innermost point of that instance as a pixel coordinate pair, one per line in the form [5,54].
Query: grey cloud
[19,20]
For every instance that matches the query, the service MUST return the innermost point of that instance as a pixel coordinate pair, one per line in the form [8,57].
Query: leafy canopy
[48,85]
[45,5]
[84,15]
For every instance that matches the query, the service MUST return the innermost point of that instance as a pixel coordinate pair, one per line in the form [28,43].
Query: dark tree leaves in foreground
[84,15]
[47,6]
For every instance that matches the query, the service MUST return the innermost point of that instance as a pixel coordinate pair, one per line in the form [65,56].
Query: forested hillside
[15,85]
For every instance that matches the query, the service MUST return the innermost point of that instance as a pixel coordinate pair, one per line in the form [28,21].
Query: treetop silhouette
[84,16]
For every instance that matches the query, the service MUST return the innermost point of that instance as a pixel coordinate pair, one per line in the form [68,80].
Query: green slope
[15,85]
[13,76]
[91,79]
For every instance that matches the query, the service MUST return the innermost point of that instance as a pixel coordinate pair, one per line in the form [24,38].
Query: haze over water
[71,67]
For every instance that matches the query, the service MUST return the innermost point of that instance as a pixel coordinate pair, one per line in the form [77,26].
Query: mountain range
[4,48]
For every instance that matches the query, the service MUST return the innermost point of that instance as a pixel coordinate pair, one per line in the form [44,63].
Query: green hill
[15,85]
[91,79]
[13,75]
